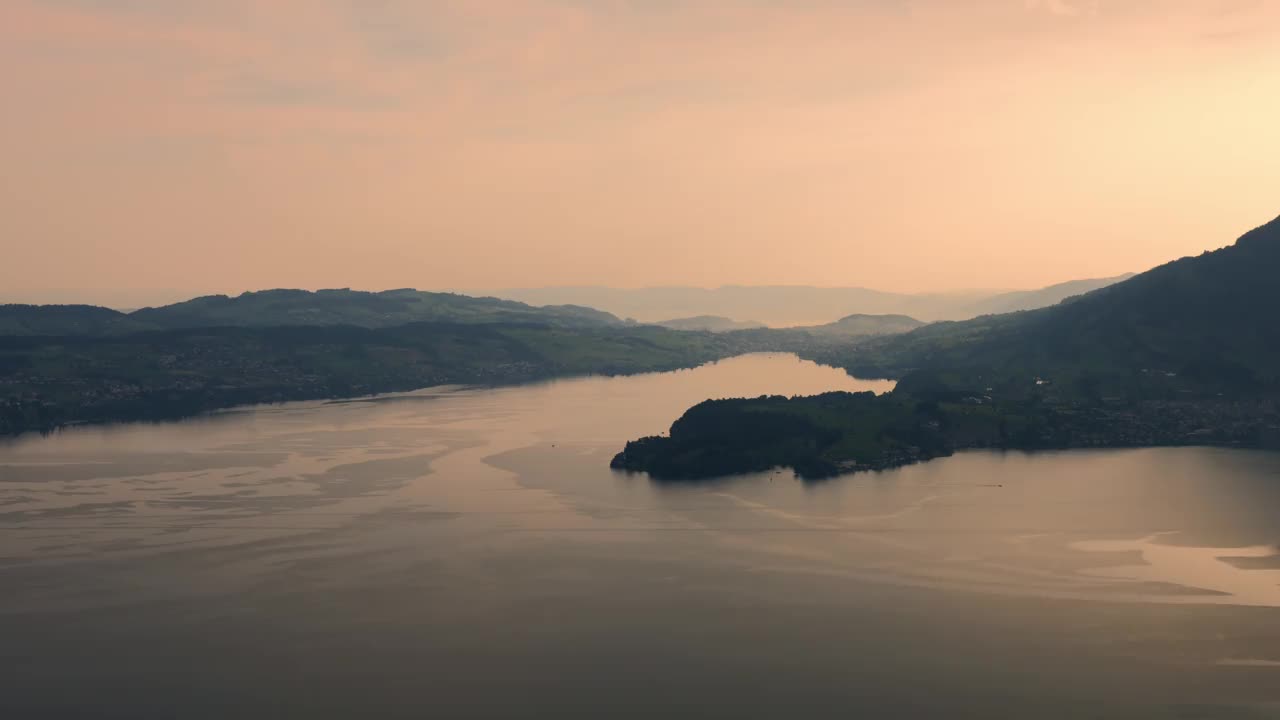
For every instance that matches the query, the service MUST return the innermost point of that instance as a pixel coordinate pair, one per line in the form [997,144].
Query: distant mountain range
[275,308]
[795,305]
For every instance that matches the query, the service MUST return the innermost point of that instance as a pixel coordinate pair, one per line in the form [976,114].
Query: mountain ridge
[291,307]
[1213,308]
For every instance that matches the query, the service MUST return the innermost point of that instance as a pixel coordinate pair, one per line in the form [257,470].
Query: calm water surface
[468,553]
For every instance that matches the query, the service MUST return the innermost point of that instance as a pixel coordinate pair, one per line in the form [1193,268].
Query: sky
[910,145]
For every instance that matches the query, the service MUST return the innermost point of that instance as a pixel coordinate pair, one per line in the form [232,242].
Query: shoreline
[841,468]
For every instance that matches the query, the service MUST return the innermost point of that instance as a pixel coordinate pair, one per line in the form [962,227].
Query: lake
[467,552]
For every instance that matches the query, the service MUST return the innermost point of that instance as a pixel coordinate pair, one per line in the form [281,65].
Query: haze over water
[468,553]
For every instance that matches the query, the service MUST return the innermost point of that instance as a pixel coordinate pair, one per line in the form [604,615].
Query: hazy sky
[898,144]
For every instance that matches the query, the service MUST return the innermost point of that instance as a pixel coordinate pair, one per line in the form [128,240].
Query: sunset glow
[229,145]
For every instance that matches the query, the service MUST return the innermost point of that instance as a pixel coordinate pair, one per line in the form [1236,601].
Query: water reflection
[468,552]
[1218,573]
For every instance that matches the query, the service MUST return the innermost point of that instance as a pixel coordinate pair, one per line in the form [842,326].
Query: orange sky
[897,144]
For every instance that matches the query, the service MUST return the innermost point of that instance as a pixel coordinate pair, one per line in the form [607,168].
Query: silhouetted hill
[17,320]
[1209,320]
